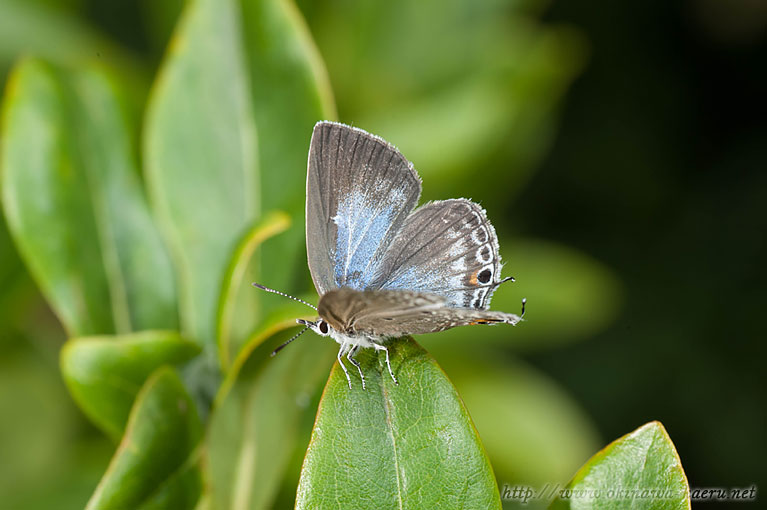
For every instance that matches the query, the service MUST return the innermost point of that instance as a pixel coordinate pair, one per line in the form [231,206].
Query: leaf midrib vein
[390,429]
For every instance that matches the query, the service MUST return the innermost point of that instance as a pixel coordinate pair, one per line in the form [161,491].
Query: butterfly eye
[323,326]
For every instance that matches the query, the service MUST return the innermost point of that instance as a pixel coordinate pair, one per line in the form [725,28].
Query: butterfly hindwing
[394,313]
[418,323]
[447,248]
[359,191]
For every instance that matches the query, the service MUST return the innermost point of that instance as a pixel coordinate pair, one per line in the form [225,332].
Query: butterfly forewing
[447,248]
[342,307]
[359,191]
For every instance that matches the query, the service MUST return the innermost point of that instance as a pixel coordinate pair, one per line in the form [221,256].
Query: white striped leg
[341,353]
[356,363]
[379,347]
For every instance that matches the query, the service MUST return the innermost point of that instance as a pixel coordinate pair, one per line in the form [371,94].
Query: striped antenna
[278,349]
[267,289]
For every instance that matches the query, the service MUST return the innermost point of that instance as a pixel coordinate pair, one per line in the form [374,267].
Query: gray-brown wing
[395,313]
[342,308]
[359,190]
[447,248]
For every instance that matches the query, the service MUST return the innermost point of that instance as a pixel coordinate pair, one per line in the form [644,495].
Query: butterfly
[382,267]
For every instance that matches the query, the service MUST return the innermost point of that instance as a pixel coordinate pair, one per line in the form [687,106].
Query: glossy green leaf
[236,282]
[105,373]
[640,470]
[74,204]
[290,92]
[402,446]
[255,422]
[156,464]
[534,432]
[227,135]
[200,155]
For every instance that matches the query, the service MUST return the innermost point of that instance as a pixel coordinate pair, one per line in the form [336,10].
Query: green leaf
[399,447]
[235,282]
[201,155]
[290,93]
[643,464]
[105,373]
[227,135]
[255,422]
[74,203]
[155,465]
[534,432]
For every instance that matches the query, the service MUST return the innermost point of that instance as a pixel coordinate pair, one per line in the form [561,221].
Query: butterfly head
[320,326]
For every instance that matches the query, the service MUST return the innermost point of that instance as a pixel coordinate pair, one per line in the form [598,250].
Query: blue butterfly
[382,267]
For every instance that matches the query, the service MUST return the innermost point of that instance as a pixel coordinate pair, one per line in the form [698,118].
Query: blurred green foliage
[105,373]
[156,464]
[469,91]
[81,219]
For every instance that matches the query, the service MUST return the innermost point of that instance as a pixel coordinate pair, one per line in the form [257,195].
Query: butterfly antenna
[282,346]
[524,301]
[267,289]
[507,279]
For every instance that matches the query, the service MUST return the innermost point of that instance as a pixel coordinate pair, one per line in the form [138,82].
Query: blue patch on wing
[432,279]
[361,230]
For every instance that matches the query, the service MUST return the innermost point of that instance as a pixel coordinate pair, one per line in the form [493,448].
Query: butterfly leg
[356,363]
[341,352]
[379,347]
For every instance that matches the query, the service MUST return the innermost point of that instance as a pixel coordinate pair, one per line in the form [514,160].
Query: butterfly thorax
[367,317]
[338,311]
[355,339]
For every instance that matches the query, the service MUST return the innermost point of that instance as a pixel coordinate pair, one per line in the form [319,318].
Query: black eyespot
[323,327]
[484,276]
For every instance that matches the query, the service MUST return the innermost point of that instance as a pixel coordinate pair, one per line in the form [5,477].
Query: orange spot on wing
[473,278]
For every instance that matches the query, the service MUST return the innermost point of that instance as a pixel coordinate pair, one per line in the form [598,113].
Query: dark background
[658,170]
